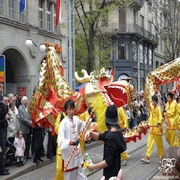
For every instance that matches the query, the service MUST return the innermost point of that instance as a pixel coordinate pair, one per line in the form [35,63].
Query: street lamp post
[70,48]
[29,43]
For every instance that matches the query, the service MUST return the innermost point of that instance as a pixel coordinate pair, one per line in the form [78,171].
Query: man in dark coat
[3,134]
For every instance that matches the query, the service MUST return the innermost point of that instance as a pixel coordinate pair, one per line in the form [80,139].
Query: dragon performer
[98,92]
[168,73]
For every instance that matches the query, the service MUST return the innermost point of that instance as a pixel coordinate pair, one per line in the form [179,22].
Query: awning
[77,88]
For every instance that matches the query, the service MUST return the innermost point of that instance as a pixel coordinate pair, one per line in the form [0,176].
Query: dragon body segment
[168,73]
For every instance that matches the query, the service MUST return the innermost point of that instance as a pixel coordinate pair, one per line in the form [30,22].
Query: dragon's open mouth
[116,94]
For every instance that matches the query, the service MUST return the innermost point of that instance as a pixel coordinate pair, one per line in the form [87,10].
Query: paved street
[134,170]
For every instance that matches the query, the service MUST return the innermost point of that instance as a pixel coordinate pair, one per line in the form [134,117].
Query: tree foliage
[93,45]
[168,26]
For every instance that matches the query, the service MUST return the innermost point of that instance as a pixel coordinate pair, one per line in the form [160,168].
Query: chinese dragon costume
[99,91]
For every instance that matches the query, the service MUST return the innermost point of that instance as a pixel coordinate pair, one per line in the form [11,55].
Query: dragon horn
[83,79]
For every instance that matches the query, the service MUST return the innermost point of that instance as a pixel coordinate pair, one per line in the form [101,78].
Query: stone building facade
[36,21]
[137,48]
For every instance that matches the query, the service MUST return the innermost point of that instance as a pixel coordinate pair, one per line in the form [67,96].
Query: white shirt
[68,131]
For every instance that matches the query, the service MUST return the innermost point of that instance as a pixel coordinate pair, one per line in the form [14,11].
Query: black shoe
[35,161]
[50,157]
[40,160]
[43,154]
[6,170]
[18,164]
[22,163]
[4,173]
[28,157]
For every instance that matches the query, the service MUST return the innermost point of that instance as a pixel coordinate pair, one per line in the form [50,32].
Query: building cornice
[27,27]
[50,34]
[159,55]
[14,23]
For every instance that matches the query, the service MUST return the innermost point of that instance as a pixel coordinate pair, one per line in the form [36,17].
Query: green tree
[92,43]
[167,26]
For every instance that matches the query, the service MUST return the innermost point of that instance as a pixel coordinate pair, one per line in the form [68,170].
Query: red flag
[57,11]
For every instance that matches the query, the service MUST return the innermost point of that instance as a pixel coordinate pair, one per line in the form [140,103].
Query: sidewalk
[30,166]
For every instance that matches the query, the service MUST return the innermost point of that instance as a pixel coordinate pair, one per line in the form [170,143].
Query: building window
[11,9]
[40,14]
[157,64]
[156,16]
[55,27]
[122,77]
[40,18]
[141,53]
[48,21]
[123,50]
[22,17]
[122,17]
[134,51]
[142,21]
[134,12]
[161,45]
[145,55]
[150,57]
[1,7]
[149,26]
[48,13]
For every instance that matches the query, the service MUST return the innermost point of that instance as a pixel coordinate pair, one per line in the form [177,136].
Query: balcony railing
[131,29]
[138,4]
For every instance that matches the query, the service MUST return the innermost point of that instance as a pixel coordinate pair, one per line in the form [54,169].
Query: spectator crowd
[16,132]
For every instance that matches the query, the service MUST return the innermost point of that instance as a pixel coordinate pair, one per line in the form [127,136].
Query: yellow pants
[124,155]
[171,137]
[152,139]
[59,172]
[178,139]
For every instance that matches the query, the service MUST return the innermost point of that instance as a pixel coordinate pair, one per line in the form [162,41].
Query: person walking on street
[25,124]
[114,145]
[171,119]
[155,133]
[3,134]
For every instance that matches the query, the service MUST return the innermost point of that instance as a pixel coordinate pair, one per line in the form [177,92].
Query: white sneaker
[145,160]
[125,161]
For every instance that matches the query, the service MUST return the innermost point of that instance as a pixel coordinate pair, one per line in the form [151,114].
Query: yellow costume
[123,123]
[59,172]
[171,118]
[155,133]
[178,110]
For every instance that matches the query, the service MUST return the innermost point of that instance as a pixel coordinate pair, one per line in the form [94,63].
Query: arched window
[157,64]
[122,76]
